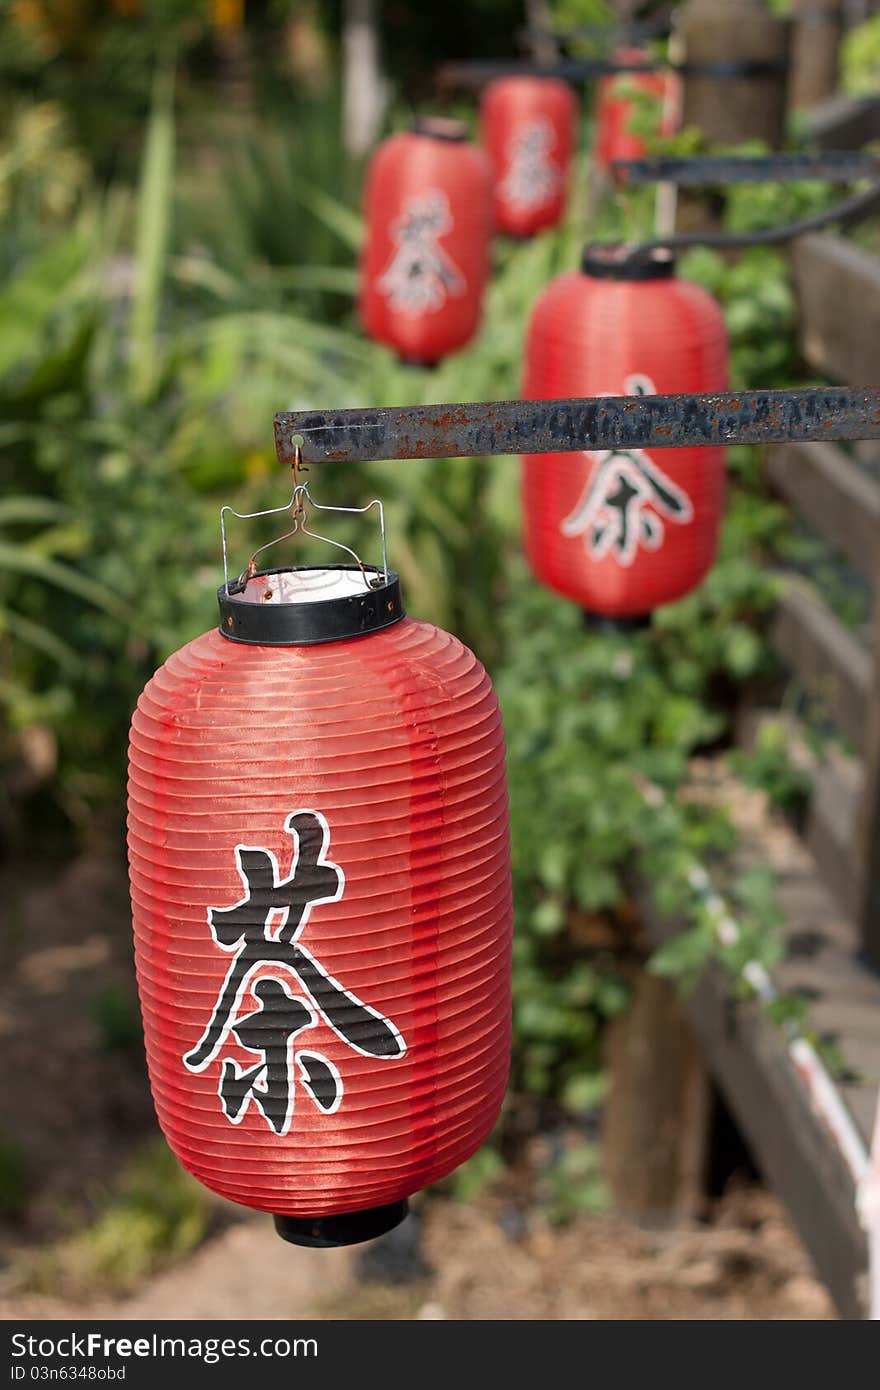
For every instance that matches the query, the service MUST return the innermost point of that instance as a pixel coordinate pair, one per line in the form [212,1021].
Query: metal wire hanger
[298,507]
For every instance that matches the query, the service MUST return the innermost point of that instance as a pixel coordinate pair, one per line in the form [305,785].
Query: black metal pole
[702,171]
[474,429]
[472,76]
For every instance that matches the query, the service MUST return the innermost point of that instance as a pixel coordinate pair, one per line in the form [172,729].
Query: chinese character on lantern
[420,275]
[628,499]
[263,929]
[532,178]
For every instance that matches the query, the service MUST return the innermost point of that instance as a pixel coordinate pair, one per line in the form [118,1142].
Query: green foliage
[847,594]
[860,58]
[568,14]
[760,311]
[573,1184]
[156,1215]
[15,1182]
[753,907]
[469,1181]
[769,767]
[41,176]
[117,1018]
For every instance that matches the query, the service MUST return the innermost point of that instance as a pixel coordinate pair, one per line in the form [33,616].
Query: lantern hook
[296,464]
[298,509]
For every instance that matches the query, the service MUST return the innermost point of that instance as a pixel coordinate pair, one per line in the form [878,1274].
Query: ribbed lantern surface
[528,129]
[320,883]
[616,105]
[623,531]
[426,256]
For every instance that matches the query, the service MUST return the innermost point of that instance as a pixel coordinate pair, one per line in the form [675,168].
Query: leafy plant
[573,1185]
[860,58]
[156,1214]
[15,1180]
[769,767]
[117,1018]
[469,1181]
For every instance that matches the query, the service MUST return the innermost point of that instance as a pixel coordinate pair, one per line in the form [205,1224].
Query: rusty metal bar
[470,76]
[832,166]
[475,429]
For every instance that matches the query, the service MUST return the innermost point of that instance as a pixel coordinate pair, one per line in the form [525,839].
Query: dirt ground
[74,1105]
[746,1265]
[73,1098]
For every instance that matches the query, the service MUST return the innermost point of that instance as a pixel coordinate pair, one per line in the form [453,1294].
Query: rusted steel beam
[564,426]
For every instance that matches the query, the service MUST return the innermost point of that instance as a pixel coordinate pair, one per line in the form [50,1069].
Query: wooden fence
[828,869]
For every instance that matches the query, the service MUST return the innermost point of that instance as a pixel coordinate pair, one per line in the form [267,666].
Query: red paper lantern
[622,532]
[426,257]
[320,881]
[528,126]
[615,108]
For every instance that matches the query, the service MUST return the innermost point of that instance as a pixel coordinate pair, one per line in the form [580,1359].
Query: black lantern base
[609,627]
[351,1228]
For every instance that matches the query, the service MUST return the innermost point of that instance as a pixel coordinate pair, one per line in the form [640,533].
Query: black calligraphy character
[321,1080]
[421,275]
[613,512]
[246,928]
[532,179]
[627,499]
[267,1031]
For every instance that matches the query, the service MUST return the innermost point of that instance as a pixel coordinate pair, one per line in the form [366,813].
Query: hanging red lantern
[616,106]
[528,126]
[622,532]
[321,894]
[426,257]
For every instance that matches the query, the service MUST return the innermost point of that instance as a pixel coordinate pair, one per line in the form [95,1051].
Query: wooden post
[729,109]
[869,816]
[544,48]
[656,1115]
[818,28]
[363,89]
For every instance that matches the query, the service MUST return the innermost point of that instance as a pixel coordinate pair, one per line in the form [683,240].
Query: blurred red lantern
[622,532]
[616,102]
[426,256]
[528,126]
[320,883]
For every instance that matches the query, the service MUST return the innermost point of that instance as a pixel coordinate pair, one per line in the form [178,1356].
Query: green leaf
[548,917]
[20,561]
[347,225]
[44,640]
[25,509]
[684,953]
[583,1093]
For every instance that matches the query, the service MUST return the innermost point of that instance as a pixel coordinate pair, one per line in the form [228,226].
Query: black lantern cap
[351,1228]
[256,610]
[615,261]
[602,626]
